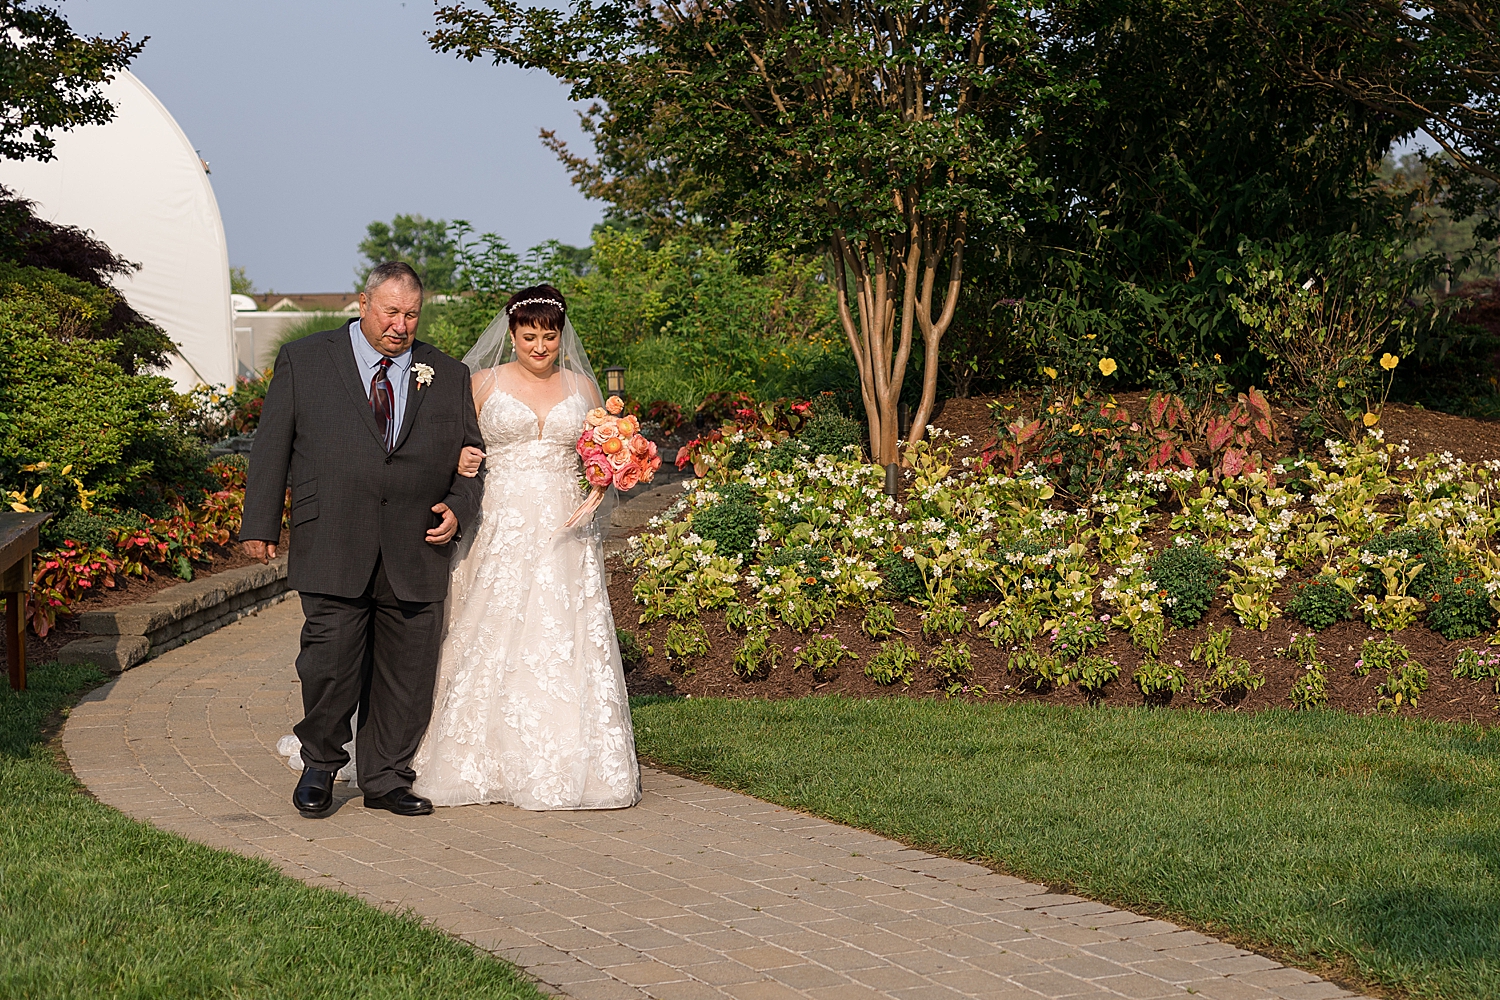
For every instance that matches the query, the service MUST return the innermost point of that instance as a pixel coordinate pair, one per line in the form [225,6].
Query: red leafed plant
[176,542]
[1226,438]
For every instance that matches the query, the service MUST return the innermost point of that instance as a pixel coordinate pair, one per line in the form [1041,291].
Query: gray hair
[392,270]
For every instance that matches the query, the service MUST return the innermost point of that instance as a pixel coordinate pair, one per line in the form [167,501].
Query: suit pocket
[306,511]
[304,501]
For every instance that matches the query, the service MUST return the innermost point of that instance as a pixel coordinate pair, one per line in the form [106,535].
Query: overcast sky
[319,116]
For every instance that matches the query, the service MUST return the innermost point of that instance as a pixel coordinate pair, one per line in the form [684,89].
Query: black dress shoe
[314,794]
[401,801]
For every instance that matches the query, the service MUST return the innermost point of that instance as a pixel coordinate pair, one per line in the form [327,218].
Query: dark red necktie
[383,402]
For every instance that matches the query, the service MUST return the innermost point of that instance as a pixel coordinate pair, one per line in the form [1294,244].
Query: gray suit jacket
[351,502]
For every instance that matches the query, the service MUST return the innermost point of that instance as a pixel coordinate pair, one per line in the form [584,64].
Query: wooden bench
[18,540]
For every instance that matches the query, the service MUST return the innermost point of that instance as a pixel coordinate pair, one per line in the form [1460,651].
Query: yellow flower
[1076,429]
[1342,383]
[1371,419]
[1051,372]
[1108,366]
[1389,361]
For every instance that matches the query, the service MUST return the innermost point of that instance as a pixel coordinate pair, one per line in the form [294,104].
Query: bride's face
[537,349]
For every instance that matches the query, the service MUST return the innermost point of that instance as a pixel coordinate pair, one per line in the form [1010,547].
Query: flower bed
[174,545]
[1174,587]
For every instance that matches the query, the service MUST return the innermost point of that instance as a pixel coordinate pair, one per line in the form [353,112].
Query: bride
[531,706]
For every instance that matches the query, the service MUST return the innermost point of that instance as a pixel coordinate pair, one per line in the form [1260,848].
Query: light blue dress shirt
[368,359]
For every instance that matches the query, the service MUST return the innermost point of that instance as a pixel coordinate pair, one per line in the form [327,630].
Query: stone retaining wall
[133,633]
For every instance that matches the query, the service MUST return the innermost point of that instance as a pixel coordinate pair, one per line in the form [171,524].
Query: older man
[366,423]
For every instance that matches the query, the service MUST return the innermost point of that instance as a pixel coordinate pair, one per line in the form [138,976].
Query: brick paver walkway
[695,893]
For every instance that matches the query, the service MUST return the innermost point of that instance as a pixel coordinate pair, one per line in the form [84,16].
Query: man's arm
[265,491]
[465,494]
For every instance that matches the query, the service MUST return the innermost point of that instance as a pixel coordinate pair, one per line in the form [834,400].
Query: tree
[239,282]
[425,244]
[878,133]
[50,78]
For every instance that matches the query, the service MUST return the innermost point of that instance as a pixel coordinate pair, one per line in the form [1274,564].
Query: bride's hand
[470,461]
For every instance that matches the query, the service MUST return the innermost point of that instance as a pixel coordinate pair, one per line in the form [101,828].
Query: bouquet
[614,454]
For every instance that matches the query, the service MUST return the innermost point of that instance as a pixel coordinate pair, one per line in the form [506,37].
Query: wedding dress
[531,706]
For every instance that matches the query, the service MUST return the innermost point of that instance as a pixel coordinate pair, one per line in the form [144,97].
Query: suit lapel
[348,368]
[415,394]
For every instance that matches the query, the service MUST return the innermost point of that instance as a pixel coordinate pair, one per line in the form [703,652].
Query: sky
[320,116]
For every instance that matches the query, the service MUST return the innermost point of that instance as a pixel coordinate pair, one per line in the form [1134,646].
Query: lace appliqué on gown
[531,706]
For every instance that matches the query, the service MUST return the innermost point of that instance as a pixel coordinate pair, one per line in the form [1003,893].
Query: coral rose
[586,445]
[596,416]
[615,405]
[639,446]
[627,475]
[598,471]
[628,426]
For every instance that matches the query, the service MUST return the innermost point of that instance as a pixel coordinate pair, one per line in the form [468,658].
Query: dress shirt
[368,360]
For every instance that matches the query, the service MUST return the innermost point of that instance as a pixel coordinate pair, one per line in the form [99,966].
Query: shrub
[1379,654]
[893,663]
[953,666]
[632,653]
[1418,543]
[1319,603]
[732,525]
[757,656]
[899,577]
[1230,677]
[1188,575]
[783,454]
[1458,606]
[830,432]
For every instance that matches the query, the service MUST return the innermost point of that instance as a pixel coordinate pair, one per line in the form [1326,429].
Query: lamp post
[614,380]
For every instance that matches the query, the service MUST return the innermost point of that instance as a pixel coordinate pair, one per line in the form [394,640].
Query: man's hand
[261,551]
[470,461]
[443,533]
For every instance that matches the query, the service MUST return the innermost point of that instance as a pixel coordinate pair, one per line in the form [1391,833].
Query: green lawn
[93,904]
[1365,846]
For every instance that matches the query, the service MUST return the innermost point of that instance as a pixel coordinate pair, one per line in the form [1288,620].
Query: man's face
[388,316]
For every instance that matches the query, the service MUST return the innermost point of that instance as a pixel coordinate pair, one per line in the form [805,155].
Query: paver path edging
[695,894]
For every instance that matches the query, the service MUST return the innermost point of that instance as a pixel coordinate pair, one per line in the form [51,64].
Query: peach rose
[627,475]
[605,432]
[596,416]
[598,471]
[628,426]
[639,446]
[615,405]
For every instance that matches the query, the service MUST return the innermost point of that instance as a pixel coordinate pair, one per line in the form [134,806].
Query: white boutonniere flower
[424,374]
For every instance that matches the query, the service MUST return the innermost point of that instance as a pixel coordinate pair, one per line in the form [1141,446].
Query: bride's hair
[541,306]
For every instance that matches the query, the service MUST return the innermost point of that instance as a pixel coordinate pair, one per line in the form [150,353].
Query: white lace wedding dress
[531,706]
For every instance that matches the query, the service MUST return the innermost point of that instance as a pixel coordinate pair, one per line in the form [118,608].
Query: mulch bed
[131,591]
[1447,698]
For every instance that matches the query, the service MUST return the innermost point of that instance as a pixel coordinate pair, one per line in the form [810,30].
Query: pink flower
[627,475]
[639,446]
[615,405]
[598,471]
[586,445]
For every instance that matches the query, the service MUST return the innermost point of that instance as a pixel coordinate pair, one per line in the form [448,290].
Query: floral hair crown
[536,302]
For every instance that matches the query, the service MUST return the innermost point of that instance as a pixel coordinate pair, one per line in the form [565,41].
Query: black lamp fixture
[614,380]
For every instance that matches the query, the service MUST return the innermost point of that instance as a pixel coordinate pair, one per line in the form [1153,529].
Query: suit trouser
[378,654]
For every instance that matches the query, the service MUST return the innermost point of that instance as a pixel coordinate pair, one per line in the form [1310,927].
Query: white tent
[138,185]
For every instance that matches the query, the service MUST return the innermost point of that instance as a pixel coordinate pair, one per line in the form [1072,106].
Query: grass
[95,904]
[1364,847]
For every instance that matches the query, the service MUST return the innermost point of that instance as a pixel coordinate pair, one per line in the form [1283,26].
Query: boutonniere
[424,374]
